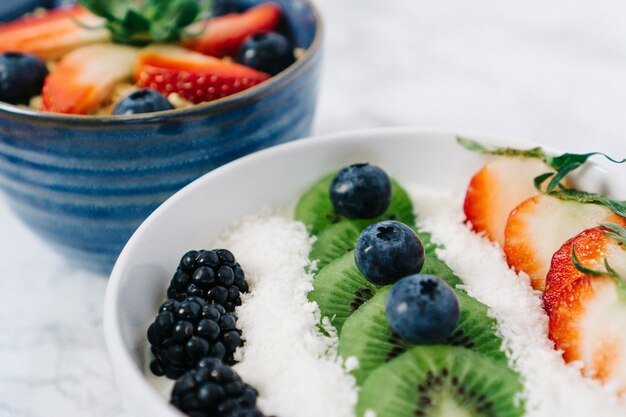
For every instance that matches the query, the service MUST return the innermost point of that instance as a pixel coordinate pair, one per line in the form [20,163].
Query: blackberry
[213,275]
[184,332]
[214,389]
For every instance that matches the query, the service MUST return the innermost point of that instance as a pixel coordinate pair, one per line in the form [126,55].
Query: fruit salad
[375,298]
[122,57]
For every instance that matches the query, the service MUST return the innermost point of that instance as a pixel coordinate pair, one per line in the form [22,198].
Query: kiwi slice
[334,241]
[441,381]
[316,210]
[340,289]
[367,336]
[339,238]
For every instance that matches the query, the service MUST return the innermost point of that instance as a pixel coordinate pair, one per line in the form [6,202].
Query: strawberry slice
[52,34]
[195,77]
[85,78]
[537,228]
[587,312]
[497,189]
[590,247]
[223,35]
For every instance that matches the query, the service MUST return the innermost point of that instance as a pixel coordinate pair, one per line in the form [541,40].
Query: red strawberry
[539,226]
[52,34]
[590,247]
[85,78]
[223,35]
[497,189]
[193,76]
[587,319]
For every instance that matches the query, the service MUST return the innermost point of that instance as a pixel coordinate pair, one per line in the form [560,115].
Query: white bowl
[276,177]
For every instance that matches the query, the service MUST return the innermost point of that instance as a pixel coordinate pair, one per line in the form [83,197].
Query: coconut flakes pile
[551,387]
[285,356]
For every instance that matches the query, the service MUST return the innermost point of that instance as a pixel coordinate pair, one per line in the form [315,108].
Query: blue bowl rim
[218,106]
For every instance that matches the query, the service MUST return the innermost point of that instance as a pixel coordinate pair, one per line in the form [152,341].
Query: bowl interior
[195,216]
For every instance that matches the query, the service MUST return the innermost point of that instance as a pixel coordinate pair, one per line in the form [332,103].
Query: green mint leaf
[134,22]
[99,8]
[187,13]
[616,207]
[540,179]
[561,173]
[558,162]
[584,269]
[616,232]
[474,146]
[144,21]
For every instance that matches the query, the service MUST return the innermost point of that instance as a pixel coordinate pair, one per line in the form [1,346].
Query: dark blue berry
[269,52]
[226,257]
[222,7]
[21,77]
[213,275]
[164,323]
[210,394]
[218,295]
[387,251]
[183,333]
[360,191]
[203,277]
[142,101]
[228,322]
[208,258]
[190,309]
[156,368]
[232,340]
[422,309]
[208,329]
[196,348]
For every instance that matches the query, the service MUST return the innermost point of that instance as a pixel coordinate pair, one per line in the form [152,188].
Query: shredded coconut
[285,357]
[551,387]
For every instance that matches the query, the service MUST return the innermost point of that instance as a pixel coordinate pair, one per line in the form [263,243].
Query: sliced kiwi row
[316,210]
[441,381]
[340,289]
[467,377]
[367,336]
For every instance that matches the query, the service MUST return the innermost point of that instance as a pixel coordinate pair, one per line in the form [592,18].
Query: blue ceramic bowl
[85,183]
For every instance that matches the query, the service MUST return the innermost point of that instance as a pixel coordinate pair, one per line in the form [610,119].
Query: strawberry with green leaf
[522,200]
[585,299]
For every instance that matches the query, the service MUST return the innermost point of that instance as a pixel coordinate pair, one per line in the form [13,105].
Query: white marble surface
[551,71]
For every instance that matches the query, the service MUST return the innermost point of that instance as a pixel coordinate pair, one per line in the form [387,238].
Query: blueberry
[142,101]
[269,52]
[360,191]
[387,251]
[21,77]
[422,309]
[222,7]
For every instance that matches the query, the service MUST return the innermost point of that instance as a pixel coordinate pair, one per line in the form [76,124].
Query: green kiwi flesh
[339,238]
[316,210]
[334,241]
[441,381]
[367,336]
[340,289]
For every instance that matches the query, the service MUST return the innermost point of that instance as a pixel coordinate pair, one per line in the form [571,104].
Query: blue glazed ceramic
[86,183]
